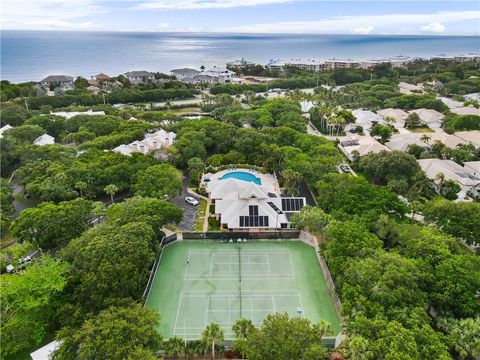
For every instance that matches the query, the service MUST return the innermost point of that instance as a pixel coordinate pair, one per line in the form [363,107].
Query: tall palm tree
[242,328]
[111,190]
[213,334]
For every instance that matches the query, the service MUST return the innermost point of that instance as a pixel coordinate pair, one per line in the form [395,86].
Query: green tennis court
[198,282]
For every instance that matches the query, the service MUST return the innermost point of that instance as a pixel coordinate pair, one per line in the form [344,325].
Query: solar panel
[292,204]
[253,221]
[274,207]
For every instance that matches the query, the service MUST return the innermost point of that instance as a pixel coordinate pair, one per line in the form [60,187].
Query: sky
[407,17]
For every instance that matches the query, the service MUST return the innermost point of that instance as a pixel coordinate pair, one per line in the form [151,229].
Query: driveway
[189,211]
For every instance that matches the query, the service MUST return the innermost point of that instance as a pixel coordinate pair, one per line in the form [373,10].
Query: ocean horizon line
[234,33]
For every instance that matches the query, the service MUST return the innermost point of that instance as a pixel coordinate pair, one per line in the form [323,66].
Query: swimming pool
[242,175]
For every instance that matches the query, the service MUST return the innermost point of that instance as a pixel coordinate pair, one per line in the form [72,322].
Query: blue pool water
[242,175]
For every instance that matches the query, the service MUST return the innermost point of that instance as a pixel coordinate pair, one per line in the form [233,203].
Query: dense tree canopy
[344,196]
[49,225]
[118,332]
[110,262]
[29,302]
[458,219]
[281,337]
[160,181]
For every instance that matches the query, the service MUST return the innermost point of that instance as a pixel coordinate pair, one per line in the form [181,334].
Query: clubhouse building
[249,200]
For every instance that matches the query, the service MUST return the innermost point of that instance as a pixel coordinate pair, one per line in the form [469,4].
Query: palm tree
[111,190]
[81,186]
[440,180]
[213,334]
[425,138]
[242,329]
[174,347]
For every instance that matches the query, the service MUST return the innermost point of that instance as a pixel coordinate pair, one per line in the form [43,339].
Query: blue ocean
[30,56]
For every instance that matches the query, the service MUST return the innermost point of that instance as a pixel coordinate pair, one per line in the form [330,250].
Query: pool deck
[269,181]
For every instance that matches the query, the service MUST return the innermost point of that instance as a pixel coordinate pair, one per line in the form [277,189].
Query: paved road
[189,211]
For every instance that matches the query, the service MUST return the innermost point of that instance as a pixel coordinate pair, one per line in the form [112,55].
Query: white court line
[301,304]
[186,267]
[205,316]
[268,263]
[273,304]
[178,311]
[251,308]
[229,310]
[247,277]
[227,252]
[211,262]
[291,263]
[235,292]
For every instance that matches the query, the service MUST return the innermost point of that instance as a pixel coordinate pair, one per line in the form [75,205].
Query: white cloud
[434,27]
[389,23]
[49,14]
[363,30]
[202,4]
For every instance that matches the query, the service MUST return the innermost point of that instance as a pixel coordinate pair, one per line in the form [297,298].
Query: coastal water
[30,56]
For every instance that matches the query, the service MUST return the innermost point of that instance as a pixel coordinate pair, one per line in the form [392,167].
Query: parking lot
[189,211]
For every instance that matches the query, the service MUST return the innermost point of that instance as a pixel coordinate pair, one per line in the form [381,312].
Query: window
[292,204]
[253,221]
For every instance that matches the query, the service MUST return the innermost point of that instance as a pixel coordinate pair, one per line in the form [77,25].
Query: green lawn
[202,208]
[223,282]
[421,130]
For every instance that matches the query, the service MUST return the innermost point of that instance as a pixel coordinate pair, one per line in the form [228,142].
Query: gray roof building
[61,79]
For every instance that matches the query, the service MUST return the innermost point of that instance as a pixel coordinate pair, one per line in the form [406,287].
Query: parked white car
[192,201]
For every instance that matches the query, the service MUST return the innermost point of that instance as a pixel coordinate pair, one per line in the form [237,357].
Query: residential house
[466,178]
[70,114]
[222,74]
[360,146]
[151,142]
[451,104]
[472,97]
[450,141]
[93,89]
[471,137]
[366,119]
[431,118]
[46,351]
[57,80]
[103,82]
[41,90]
[466,110]
[472,166]
[243,205]
[211,75]
[139,77]
[398,115]
[5,128]
[184,73]
[401,142]
[240,63]
[45,139]
[406,88]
